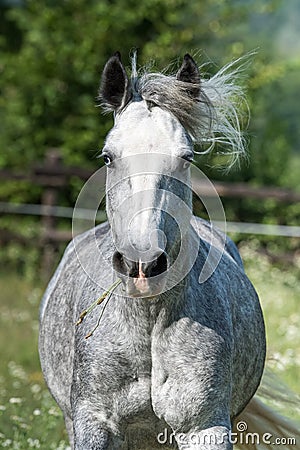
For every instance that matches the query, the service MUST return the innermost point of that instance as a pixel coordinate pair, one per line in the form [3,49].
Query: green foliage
[49,83]
[28,414]
[279,290]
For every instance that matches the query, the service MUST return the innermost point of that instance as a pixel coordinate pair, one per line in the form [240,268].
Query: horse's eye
[187,160]
[107,160]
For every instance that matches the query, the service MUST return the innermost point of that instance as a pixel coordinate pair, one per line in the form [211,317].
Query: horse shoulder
[70,265]
[58,314]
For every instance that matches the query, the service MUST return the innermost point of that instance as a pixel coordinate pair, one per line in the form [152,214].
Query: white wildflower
[53,411]
[34,443]
[17,371]
[35,388]
[15,400]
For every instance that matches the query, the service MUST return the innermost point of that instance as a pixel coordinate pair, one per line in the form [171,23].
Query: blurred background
[52,55]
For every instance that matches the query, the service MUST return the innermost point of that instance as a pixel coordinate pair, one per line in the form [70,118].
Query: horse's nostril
[124,266]
[135,269]
[157,266]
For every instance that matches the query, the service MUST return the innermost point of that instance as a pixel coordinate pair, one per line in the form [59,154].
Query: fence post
[49,199]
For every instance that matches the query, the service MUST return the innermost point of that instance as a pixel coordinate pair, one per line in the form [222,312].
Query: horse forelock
[214,117]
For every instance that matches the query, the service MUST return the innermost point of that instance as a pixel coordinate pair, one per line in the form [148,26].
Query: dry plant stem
[100,317]
[98,301]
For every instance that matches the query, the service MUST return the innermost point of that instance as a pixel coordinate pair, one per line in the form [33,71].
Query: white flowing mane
[214,118]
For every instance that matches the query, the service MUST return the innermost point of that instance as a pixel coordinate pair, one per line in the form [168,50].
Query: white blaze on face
[143,210]
[146,145]
[141,283]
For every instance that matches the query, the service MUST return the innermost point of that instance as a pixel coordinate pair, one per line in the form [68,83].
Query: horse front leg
[92,433]
[212,438]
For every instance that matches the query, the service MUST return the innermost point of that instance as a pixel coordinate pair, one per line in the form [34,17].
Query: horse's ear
[189,73]
[114,89]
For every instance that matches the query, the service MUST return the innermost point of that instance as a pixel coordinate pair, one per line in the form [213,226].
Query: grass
[279,292]
[29,417]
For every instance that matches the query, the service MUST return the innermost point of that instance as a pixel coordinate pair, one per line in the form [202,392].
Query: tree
[48,87]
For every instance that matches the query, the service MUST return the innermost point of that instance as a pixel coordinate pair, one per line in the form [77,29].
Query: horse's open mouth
[144,287]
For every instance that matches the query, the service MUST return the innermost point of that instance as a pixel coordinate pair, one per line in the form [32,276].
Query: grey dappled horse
[172,356]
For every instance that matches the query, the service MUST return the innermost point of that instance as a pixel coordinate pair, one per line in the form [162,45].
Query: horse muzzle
[142,278]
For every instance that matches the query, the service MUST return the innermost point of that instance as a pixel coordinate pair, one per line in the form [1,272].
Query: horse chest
[116,365]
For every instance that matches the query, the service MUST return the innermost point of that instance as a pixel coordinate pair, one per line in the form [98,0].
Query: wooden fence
[52,175]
